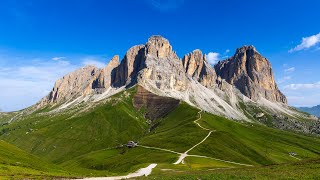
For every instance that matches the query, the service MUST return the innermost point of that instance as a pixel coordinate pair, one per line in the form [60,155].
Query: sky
[42,40]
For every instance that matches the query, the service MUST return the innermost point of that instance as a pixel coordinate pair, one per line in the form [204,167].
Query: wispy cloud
[212,57]
[289,70]
[284,79]
[307,42]
[315,85]
[58,58]
[304,94]
[165,5]
[23,85]
[24,81]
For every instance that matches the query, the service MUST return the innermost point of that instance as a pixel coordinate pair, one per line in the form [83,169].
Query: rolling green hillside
[87,140]
[309,169]
[58,137]
[16,163]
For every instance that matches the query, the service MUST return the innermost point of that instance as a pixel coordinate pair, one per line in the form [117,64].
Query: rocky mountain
[73,85]
[197,67]
[315,110]
[105,76]
[251,74]
[174,108]
[231,89]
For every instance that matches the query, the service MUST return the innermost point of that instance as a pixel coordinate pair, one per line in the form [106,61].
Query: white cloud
[24,81]
[227,51]
[24,84]
[289,70]
[284,79]
[302,94]
[58,58]
[307,42]
[213,57]
[93,61]
[302,86]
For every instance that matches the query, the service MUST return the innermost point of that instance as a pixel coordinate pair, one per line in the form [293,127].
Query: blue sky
[41,40]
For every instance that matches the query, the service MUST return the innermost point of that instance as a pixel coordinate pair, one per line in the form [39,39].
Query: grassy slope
[176,131]
[16,163]
[60,137]
[79,144]
[6,116]
[119,161]
[253,143]
[301,170]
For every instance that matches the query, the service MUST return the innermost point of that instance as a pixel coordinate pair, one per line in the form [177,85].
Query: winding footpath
[147,170]
[185,154]
[141,172]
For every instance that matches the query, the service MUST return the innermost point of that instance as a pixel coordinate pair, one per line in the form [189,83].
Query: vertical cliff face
[154,63]
[73,85]
[159,47]
[132,63]
[105,76]
[164,70]
[251,73]
[157,68]
[197,67]
[84,81]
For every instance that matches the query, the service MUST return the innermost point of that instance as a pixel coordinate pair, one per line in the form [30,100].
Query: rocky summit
[197,67]
[246,77]
[251,73]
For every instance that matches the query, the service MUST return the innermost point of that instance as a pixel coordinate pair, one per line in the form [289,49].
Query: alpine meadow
[188,96]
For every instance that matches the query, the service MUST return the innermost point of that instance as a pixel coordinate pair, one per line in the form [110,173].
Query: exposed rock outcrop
[84,81]
[73,85]
[154,106]
[157,68]
[164,70]
[159,47]
[104,78]
[132,63]
[251,73]
[197,67]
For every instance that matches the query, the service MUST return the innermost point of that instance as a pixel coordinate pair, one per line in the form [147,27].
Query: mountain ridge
[156,67]
[315,110]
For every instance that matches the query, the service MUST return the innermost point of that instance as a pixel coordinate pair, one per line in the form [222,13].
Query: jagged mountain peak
[197,51]
[157,68]
[198,55]
[159,47]
[251,73]
[157,39]
[246,48]
[72,85]
[114,59]
[197,67]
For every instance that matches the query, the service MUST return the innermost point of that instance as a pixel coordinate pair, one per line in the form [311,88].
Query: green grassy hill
[59,137]
[87,140]
[17,164]
[308,169]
